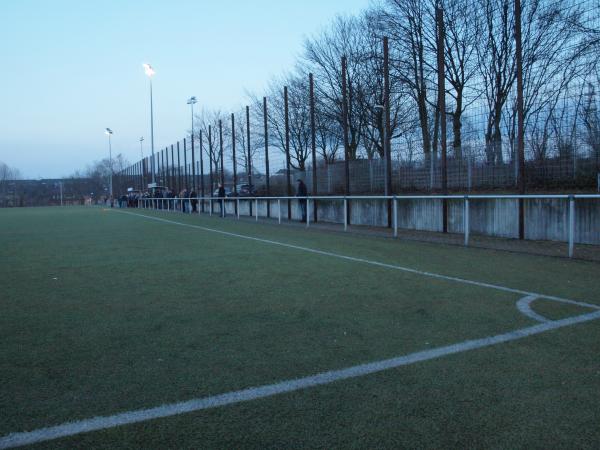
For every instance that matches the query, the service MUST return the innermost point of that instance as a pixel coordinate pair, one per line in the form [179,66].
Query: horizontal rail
[192,204]
[391,197]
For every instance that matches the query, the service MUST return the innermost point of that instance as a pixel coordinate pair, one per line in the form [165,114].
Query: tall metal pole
[439,15]
[266,136]
[233,151]
[111,164]
[201,168]
[158,167]
[345,132]
[210,157]
[313,140]
[249,168]
[172,167]
[167,182]
[221,153]
[193,164]
[152,128]
[387,142]
[287,150]
[178,169]
[185,166]
[249,157]
[520,117]
[191,102]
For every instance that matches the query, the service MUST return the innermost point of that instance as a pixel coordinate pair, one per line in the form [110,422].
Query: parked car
[246,190]
[228,192]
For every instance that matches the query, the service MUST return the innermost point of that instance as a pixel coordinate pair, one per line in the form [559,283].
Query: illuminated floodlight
[148,69]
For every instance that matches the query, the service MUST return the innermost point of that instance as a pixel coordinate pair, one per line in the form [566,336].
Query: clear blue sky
[71,68]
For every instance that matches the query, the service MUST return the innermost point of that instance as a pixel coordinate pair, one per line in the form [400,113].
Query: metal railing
[198,204]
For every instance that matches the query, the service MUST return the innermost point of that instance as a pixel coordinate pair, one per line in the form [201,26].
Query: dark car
[246,190]
[228,192]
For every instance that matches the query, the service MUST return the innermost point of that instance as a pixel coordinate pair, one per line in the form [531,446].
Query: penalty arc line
[368,261]
[254,393]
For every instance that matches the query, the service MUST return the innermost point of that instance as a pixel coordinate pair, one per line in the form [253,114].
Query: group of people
[190,204]
[131,200]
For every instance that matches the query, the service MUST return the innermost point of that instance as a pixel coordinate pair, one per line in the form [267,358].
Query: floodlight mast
[192,101]
[109,133]
[150,73]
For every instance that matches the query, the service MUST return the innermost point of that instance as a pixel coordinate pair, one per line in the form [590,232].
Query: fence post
[279,210]
[395,216]
[571,225]
[313,140]
[466,220]
[237,207]
[469,174]
[256,207]
[345,214]
[307,212]
[439,17]
[520,117]
[211,207]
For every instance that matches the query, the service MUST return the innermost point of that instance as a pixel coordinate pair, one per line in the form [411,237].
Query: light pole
[192,101]
[384,143]
[141,147]
[109,133]
[150,72]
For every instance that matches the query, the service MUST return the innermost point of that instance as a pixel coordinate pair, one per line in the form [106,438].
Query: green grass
[104,312]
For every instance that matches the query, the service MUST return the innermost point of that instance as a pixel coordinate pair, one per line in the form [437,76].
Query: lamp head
[148,70]
[192,101]
[108,131]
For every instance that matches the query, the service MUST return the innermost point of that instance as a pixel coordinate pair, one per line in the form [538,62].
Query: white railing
[186,205]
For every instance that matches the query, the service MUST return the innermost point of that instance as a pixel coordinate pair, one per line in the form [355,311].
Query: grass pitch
[104,312]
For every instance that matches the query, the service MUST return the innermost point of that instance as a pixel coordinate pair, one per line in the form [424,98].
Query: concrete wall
[545,219]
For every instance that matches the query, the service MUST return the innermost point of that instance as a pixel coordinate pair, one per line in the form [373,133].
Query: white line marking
[524,306]
[360,260]
[254,393]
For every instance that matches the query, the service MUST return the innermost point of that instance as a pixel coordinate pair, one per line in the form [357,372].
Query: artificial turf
[104,312]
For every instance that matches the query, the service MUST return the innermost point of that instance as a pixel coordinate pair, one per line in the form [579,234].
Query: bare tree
[299,117]
[210,119]
[591,121]
[460,58]
[322,55]
[411,27]
[372,92]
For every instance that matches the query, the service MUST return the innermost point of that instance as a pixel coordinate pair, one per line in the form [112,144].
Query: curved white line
[524,306]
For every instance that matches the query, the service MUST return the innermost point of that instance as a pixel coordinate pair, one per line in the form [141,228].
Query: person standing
[221,195]
[184,197]
[194,200]
[302,192]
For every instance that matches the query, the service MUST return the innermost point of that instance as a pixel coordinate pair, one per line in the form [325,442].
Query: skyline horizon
[56,84]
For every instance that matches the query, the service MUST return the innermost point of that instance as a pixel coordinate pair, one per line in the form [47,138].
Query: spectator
[301,192]
[194,200]
[221,195]
[184,196]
